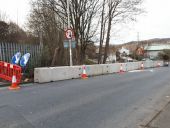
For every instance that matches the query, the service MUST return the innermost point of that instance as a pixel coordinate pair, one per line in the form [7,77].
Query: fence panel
[7,50]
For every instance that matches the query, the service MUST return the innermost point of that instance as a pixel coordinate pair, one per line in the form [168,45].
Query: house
[123,55]
[127,59]
[124,51]
[140,51]
[111,58]
[152,51]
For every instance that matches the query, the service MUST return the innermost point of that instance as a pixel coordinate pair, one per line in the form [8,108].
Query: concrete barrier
[49,74]
[61,73]
[111,68]
[133,66]
[42,75]
[148,64]
[93,70]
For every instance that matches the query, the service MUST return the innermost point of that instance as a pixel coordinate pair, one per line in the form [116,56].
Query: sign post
[66,44]
[69,32]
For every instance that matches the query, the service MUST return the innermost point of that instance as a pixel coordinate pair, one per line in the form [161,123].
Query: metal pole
[68,14]
[138,37]
[41,38]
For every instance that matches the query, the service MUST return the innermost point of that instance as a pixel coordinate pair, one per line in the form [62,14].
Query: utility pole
[136,45]
[138,38]
[17,20]
[68,17]
[41,37]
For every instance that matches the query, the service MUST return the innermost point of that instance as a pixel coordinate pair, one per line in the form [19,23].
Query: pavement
[161,119]
[128,100]
[4,83]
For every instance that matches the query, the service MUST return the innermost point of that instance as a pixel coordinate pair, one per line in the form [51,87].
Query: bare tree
[82,15]
[3,31]
[11,32]
[117,11]
[50,16]
[102,31]
[44,21]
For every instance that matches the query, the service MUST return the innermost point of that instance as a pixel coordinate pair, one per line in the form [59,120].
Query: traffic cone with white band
[158,64]
[84,74]
[14,85]
[121,69]
[142,66]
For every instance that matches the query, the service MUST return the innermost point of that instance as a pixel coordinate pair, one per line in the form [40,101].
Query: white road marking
[142,70]
[136,71]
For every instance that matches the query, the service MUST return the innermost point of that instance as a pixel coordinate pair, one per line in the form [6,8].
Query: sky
[16,10]
[155,23]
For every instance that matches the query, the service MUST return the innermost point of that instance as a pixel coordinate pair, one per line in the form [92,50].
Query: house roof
[122,50]
[157,47]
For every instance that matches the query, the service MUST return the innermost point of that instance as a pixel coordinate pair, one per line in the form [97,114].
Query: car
[146,59]
[166,63]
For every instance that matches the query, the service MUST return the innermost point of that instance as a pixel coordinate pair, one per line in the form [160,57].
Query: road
[108,101]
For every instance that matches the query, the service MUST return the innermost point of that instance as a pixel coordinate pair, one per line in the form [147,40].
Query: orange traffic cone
[14,85]
[84,75]
[142,66]
[121,69]
[158,64]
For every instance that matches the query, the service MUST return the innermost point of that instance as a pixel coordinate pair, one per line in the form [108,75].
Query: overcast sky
[154,24]
[11,7]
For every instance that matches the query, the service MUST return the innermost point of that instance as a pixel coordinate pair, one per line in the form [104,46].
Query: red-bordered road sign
[69,33]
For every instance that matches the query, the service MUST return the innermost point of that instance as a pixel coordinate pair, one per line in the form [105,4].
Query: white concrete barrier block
[132,66]
[147,64]
[60,73]
[105,68]
[42,75]
[67,72]
[113,68]
[94,70]
[77,71]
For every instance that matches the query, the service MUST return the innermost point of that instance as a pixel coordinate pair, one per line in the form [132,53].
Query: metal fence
[7,51]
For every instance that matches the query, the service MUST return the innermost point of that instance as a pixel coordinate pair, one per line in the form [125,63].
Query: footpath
[162,119]
[4,84]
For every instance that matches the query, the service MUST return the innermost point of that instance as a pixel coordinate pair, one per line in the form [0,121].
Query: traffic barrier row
[50,74]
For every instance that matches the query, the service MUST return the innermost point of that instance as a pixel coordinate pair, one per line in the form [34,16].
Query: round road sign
[69,33]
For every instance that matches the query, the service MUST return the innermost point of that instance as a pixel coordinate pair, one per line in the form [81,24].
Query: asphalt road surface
[108,101]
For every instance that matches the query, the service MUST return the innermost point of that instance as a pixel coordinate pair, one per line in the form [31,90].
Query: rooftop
[157,47]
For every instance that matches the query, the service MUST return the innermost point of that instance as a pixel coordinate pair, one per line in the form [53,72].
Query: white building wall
[153,54]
